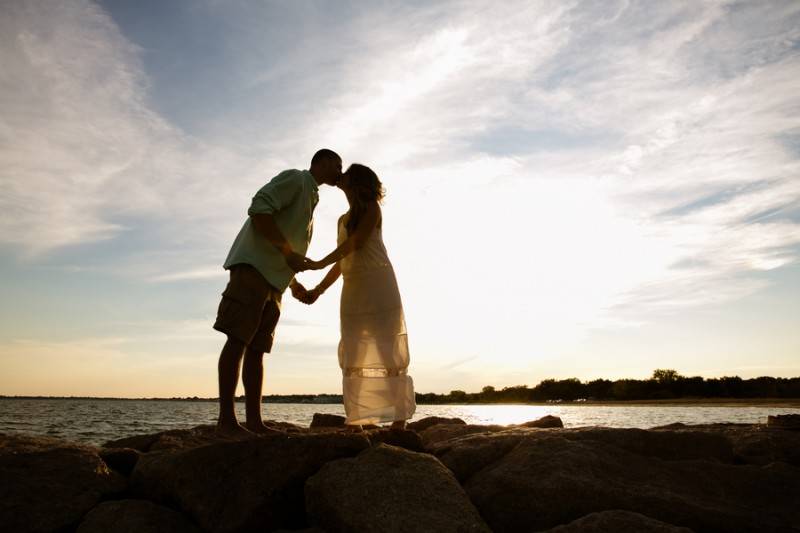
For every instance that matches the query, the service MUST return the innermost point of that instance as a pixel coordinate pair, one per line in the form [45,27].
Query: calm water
[95,422]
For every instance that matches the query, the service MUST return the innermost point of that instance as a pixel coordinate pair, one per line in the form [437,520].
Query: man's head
[326,166]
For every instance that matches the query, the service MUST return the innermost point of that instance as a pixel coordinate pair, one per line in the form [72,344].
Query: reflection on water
[96,421]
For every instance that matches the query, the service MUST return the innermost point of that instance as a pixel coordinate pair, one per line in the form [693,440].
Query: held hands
[302,294]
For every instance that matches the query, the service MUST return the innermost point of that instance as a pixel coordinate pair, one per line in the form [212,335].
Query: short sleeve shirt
[290,197]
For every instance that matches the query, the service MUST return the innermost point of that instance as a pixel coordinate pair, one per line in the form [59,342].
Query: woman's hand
[315,265]
[311,296]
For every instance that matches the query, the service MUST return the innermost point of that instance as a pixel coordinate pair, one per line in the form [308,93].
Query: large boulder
[181,439]
[48,484]
[467,454]
[784,421]
[122,460]
[547,421]
[324,420]
[756,444]
[551,480]
[388,489]
[424,423]
[242,485]
[618,522]
[135,516]
[760,445]
[403,438]
[685,444]
[167,440]
[442,432]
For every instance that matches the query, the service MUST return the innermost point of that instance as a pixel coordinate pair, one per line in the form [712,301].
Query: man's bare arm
[355,241]
[266,226]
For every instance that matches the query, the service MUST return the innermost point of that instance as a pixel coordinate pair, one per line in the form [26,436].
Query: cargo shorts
[249,309]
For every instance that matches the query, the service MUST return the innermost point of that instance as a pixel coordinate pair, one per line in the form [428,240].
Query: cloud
[84,157]
[553,167]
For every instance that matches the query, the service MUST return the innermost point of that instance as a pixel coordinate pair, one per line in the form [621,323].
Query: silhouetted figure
[267,252]
[373,350]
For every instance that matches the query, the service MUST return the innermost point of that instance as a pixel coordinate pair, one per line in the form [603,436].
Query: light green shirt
[290,197]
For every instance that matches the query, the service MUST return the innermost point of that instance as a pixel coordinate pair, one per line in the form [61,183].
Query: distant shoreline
[335,399]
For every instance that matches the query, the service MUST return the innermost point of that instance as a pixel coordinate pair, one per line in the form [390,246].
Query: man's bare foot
[232,429]
[398,425]
[354,428]
[262,429]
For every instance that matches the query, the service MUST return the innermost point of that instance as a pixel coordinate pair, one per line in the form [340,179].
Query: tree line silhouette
[664,384]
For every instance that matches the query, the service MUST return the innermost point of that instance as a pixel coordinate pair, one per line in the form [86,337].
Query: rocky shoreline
[439,475]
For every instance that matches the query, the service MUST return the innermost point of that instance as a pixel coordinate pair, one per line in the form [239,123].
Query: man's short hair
[324,155]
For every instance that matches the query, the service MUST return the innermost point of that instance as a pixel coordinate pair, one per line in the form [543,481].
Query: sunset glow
[574,189]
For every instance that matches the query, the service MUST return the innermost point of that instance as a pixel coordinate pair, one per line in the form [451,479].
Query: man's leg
[253,379]
[228,369]
[253,370]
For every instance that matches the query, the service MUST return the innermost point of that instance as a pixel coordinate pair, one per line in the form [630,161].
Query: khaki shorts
[249,309]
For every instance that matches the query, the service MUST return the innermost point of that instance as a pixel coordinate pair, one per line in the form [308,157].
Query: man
[269,249]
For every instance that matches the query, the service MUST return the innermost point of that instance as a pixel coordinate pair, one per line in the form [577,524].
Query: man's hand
[311,296]
[297,262]
[298,291]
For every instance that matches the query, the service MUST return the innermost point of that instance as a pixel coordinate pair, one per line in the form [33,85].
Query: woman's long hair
[365,187]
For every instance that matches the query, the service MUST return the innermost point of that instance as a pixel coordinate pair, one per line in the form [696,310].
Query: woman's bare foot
[355,428]
[398,425]
[232,429]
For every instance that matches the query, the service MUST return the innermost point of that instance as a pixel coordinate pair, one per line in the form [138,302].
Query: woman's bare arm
[355,241]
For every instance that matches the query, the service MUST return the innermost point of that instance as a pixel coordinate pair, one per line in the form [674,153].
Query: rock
[669,445]
[178,439]
[48,485]
[761,446]
[442,432]
[754,443]
[424,423]
[547,421]
[389,489]
[135,516]
[467,454]
[618,522]
[288,427]
[550,480]
[784,422]
[242,485]
[168,440]
[322,420]
[122,460]
[409,440]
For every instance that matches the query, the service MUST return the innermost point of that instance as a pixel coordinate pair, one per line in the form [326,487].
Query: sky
[575,189]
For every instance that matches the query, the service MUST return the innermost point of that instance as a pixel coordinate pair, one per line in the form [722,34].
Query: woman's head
[361,184]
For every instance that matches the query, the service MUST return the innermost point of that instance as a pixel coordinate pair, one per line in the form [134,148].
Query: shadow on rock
[48,484]
[389,489]
[242,485]
[135,516]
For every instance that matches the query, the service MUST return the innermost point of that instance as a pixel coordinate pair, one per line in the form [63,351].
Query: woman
[373,350]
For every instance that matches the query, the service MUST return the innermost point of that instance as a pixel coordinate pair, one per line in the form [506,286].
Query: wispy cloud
[559,166]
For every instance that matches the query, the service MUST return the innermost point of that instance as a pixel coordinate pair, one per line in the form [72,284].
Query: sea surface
[97,421]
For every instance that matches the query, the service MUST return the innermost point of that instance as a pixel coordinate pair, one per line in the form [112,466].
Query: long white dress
[373,350]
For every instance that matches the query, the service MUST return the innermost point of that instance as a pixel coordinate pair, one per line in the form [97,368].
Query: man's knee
[252,355]
[233,349]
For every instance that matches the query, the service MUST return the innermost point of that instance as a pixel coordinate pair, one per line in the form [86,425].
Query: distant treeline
[663,385]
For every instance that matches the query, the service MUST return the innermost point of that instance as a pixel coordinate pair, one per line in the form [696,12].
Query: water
[97,421]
